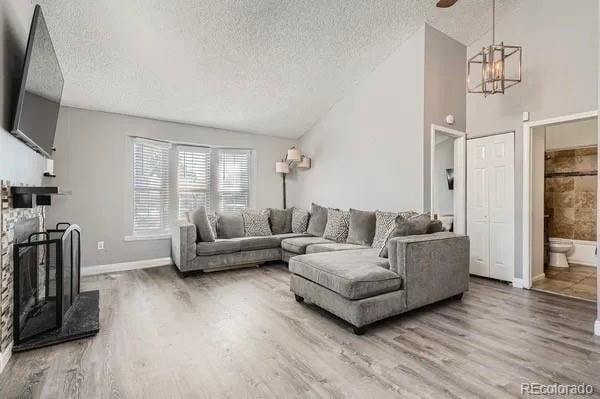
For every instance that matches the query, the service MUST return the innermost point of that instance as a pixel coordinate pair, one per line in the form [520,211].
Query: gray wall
[371,150]
[560,74]
[445,75]
[18,163]
[366,150]
[92,161]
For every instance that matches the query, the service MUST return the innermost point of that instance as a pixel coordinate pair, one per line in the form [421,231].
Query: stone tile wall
[8,217]
[570,193]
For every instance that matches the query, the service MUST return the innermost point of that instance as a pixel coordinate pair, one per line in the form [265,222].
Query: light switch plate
[525,116]
[100,245]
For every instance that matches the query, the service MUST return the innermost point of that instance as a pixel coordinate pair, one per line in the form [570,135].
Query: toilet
[558,252]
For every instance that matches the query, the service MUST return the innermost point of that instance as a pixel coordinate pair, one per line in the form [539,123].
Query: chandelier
[498,65]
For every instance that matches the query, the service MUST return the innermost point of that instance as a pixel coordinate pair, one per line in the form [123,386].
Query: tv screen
[41,90]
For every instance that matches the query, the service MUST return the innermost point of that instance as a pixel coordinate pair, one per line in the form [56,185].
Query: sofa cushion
[256,222]
[298,245]
[204,229]
[254,243]
[230,225]
[338,246]
[362,227]
[318,220]
[299,220]
[337,225]
[284,236]
[352,274]
[280,220]
[414,225]
[218,247]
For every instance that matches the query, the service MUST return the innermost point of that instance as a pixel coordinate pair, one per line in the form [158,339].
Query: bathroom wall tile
[586,151]
[585,215]
[564,216]
[561,230]
[583,200]
[564,184]
[565,199]
[586,183]
[548,200]
[564,161]
[585,231]
[585,163]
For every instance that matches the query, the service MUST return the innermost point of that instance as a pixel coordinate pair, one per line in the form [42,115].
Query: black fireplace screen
[46,273]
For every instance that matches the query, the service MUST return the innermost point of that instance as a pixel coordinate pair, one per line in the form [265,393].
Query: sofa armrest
[183,244]
[433,266]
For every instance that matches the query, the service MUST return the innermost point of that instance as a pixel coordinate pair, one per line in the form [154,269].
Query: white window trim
[132,236]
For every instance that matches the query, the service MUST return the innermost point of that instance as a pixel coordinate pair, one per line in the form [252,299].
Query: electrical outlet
[100,245]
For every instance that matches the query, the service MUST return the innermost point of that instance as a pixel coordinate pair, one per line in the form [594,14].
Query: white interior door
[477,206]
[490,211]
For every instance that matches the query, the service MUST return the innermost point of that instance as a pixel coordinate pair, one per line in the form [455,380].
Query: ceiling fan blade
[446,3]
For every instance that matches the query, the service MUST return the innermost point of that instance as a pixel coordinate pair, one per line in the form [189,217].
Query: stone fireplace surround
[8,218]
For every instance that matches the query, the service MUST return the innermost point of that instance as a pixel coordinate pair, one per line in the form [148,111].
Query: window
[216,178]
[233,180]
[150,186]
[193,179]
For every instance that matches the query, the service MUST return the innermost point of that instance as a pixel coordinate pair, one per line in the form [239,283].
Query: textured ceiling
[264,66]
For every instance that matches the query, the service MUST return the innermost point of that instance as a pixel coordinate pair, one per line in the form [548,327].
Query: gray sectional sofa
[349,280]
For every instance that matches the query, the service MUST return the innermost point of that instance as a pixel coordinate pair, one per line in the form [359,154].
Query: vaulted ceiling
[263,66]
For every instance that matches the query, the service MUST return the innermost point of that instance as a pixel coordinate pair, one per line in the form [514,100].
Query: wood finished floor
[577,281]
[240,334]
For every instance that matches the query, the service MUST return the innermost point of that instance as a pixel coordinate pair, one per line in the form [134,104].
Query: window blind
[150,185]
[193,179]
[233,179]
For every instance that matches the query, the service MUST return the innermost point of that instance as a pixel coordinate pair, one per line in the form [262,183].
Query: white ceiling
[264,66]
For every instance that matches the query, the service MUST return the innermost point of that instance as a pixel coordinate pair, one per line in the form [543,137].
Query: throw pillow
[415,225]
[318,220]
[204,229]
[362,227]
[281,220]
[230,225]
[299,220]
[435,226]
[384,222]
[338,223]
[256,222]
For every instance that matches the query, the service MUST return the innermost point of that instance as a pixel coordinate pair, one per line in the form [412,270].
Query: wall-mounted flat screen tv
[41,90]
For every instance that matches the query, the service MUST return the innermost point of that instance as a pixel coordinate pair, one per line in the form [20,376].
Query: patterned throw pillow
[256,222]
[384,222]
[338,223]
[299,220]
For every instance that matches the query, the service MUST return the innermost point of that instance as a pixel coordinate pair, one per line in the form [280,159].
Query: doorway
[448,176]
[562,172]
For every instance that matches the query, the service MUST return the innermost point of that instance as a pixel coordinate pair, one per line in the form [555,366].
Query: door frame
[460,186]
[527,185]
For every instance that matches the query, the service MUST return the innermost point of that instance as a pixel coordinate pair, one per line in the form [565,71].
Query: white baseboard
[517,283]
[539,277]
[120,267]
[597,327]
[5,356]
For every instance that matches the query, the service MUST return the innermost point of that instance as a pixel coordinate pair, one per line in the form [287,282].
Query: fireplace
[48,305]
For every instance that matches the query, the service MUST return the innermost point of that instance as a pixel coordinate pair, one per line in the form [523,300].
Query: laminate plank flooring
[240,334]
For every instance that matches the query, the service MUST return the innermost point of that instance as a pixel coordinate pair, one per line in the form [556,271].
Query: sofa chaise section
[425,269]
